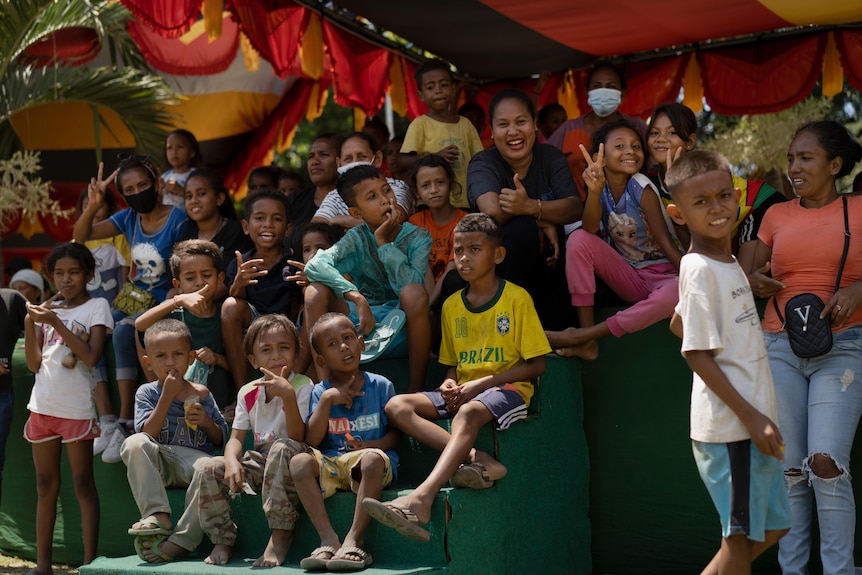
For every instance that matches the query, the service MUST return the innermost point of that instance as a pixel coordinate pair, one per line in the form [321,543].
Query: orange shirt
[806,250]
[441,236]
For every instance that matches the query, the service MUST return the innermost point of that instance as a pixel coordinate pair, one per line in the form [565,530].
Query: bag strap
[846,245]
[840,265]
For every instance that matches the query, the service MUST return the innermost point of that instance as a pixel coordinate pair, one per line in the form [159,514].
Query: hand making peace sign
[594,175]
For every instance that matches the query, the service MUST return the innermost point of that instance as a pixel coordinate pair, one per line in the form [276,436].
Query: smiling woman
[528,189]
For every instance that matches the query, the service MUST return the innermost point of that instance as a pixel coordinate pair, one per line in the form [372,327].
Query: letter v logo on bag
[803,317]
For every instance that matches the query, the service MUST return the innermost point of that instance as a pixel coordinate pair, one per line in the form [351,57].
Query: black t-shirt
[230,239]
[12,312]
[302,209]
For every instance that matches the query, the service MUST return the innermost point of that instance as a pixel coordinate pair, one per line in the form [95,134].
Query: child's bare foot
[220,555]
[276,549]
[160,550]
[496,470]
[588,350]
[565,338]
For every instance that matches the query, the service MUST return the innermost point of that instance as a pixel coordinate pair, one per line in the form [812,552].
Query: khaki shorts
[341,473]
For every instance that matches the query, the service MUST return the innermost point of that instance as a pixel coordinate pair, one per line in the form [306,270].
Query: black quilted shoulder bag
[809,335]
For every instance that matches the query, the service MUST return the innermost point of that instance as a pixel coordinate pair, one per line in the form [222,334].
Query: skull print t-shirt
[150,252]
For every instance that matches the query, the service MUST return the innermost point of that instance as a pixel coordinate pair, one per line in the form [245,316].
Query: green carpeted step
[133,564]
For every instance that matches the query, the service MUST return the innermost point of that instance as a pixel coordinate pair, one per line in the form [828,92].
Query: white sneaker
[101,442]
[112,452]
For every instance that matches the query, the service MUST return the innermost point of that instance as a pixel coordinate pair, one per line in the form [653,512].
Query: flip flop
[159,528]
[396,516]
[383,334]
[155,540]
[315,562]
[341,561]
[472,476]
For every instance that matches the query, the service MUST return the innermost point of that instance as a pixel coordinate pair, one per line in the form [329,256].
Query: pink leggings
[653,290]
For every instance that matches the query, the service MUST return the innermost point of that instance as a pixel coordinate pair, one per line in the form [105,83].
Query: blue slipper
[384,333]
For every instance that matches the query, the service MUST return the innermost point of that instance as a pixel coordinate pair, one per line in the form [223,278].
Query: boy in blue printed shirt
[177,423]
[354,446]
[736,443]
[388,262]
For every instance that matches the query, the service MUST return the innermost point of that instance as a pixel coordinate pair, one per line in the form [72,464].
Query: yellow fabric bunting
[249,54]
[832,82]
[213,11]
[692,85]
[567,98]
[397,94]
[311,48]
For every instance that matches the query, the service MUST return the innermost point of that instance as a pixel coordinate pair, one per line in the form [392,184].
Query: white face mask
[604,101]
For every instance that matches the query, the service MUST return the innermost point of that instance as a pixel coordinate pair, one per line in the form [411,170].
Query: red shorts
[40,428]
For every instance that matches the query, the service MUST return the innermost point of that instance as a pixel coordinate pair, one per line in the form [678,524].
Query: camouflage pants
[267,472]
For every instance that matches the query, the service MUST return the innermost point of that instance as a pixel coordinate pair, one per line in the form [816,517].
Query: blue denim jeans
[125,352]
[7,400]
[819,405]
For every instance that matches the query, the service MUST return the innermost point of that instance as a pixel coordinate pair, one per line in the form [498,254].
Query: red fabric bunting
[66,194]
[360,71]
[169,18]
[650,83]
[198,58]
[73,46]
[274,30]
[415,106]
[9,226]
[850,47]
[283,119]
[761,78]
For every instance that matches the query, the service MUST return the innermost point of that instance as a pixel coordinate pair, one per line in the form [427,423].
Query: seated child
[290,182]
[626,240]
[344,459]
[258,278]
[313,237]
[441,130]
[387,261]
[737,446]
[277,420]
[177,423]
[360,149]
[488,378]
[197,269]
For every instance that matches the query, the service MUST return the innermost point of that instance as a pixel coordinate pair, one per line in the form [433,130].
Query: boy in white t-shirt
[736,443]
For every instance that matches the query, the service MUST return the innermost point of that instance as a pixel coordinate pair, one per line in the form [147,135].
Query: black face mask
[144,201]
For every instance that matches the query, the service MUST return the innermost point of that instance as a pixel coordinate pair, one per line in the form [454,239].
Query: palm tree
[127,87]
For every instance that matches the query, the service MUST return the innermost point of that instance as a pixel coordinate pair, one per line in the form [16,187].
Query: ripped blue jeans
[819,405]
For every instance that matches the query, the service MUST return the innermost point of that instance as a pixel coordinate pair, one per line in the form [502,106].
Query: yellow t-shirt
[427,136]
[494,337]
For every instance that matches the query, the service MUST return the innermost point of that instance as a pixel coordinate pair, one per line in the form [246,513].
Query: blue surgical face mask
[604,101]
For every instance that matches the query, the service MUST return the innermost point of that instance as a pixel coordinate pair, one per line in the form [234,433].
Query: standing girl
[63,340]
[432,180]
[183,155]
[112,271]
[151,229]
[212,213]
[625,240]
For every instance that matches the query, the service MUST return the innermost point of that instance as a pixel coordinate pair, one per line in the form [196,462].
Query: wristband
[539,215]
